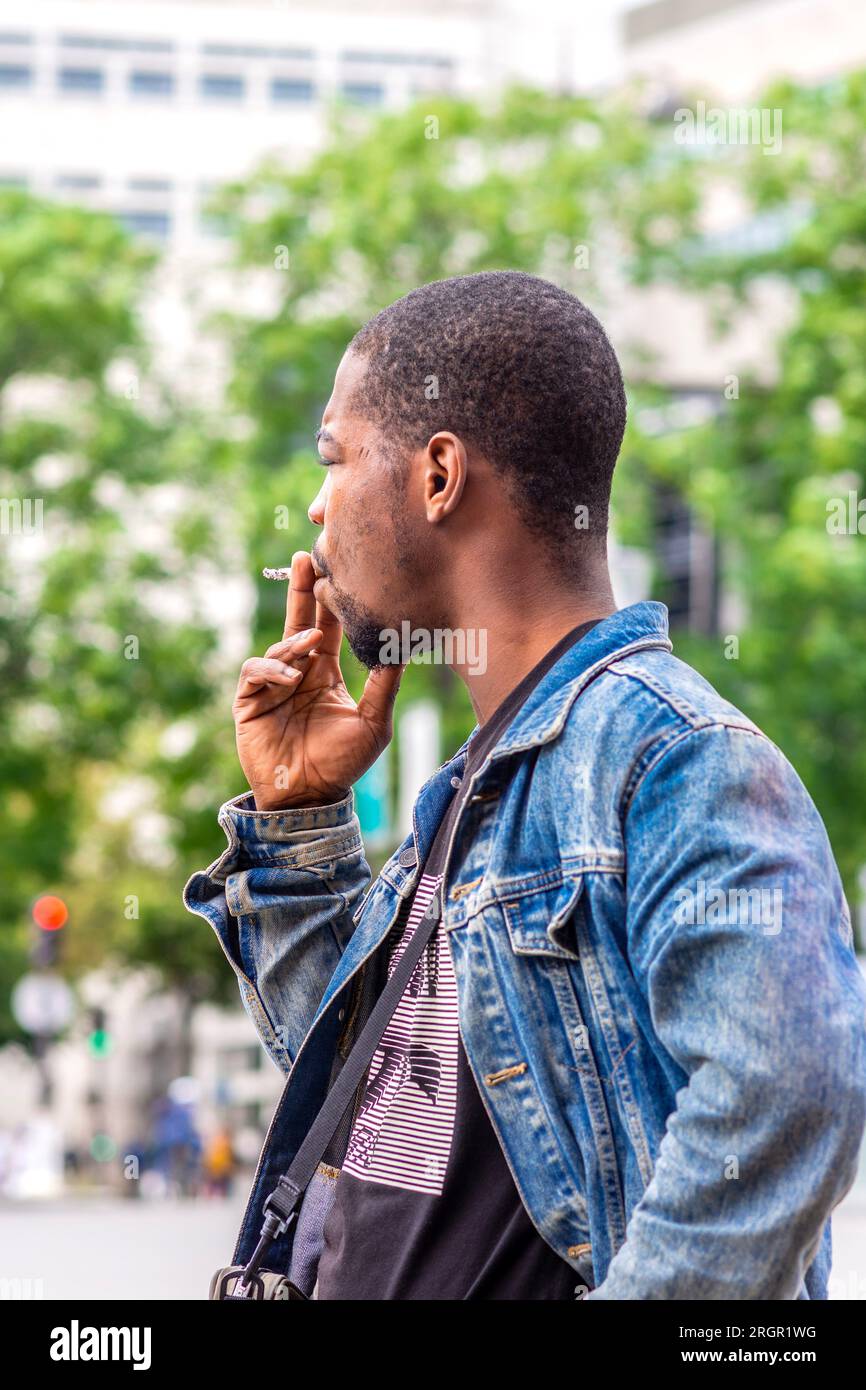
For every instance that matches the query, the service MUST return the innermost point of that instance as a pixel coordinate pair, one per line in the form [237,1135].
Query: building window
[291,89]
[89,80]
[15,75]
[235,50]
[403,60]
[78,181]
[113,43]
[222,86]
[150,224]
[151,84]
[364,93]
[150,185]
[688,561]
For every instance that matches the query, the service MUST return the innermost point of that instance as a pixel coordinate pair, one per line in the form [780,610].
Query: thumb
[377,699]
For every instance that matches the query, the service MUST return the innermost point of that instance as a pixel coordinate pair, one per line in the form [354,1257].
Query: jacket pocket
[539,919]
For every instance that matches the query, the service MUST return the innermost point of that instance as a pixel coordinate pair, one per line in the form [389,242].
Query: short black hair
[517,367]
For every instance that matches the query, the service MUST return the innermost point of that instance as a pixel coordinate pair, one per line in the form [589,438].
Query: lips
[319,579]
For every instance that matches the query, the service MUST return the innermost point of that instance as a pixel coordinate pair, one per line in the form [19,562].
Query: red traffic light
[50,913]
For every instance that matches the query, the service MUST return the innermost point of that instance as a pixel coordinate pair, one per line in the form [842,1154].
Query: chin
[366,646]
[361,627]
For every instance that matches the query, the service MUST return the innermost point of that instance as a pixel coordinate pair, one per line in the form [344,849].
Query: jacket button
[408,858]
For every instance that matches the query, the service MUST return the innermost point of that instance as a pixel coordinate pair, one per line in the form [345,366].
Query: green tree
[88,443]
[771,474]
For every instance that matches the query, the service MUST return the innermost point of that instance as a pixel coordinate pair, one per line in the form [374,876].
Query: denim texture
[652,943]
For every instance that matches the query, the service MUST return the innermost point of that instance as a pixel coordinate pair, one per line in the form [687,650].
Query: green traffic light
[99,1042]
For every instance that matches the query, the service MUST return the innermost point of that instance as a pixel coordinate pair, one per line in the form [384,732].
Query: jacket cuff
[275,824]
[293,836]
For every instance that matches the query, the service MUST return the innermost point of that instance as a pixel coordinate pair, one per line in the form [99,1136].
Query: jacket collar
[543,714]
[539,719]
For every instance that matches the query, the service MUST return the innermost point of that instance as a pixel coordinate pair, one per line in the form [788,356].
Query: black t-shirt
[426,1206]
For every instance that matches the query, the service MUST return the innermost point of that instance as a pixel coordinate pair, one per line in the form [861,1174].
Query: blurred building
[735,46]
[140,108]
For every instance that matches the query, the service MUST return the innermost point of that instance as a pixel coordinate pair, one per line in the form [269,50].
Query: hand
[294,716]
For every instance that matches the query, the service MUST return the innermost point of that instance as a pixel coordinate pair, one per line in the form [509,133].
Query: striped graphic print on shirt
[402,1133]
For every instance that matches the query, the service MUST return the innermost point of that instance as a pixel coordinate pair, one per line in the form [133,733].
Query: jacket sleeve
[740,939]
[281,899]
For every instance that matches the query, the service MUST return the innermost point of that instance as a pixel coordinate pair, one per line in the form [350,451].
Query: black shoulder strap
[281,1207]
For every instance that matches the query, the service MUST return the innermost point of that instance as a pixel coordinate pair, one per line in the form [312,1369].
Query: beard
[362,629]
[364,632]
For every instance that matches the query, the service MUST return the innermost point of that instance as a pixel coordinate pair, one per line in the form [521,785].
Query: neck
[507,634]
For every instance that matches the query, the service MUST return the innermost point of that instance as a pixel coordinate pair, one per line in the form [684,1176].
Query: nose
[316,509]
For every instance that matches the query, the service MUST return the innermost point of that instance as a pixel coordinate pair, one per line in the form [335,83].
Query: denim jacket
[658,993]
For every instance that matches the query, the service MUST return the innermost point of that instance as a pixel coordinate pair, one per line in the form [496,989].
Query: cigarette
[278,574]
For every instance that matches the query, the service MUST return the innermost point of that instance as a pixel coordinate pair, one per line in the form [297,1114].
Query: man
[633,1058]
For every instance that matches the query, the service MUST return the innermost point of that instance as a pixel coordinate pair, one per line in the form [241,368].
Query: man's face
[369,562]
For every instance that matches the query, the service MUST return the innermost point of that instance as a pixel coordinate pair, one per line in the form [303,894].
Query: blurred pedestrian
[219,1164]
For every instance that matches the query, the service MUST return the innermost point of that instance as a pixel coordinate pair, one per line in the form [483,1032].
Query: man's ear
[445,473]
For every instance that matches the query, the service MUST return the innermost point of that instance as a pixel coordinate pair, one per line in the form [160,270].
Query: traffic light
[99,1039]
[50,914]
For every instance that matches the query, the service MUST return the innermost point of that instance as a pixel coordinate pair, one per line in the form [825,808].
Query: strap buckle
[280,1206]
[280,1209]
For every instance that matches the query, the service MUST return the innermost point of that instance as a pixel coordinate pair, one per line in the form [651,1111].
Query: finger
[377,699]
[331,629]
[296,650]
[300,604]
[261,671]
[262,699]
